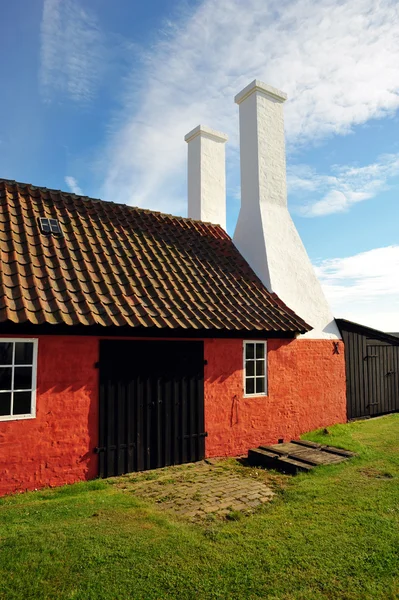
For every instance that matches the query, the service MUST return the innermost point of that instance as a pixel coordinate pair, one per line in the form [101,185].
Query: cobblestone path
[199,490]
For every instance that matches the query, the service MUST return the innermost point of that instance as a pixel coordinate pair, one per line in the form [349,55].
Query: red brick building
[118,277]
[131,339]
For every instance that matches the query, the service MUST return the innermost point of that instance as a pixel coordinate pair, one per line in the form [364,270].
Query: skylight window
[50,226]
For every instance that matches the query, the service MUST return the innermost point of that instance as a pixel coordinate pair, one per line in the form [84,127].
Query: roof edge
[346,325]
[101,201]
[141,332]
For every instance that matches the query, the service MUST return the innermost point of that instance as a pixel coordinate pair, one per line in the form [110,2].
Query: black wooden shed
[372,370]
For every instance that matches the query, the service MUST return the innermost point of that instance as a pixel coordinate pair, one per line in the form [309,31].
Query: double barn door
[151,405]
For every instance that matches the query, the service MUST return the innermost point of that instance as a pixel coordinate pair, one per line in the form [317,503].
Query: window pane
[5,404]
[249,386]
[22,403]
[5,353]
[249,350]
[260,350]
[22,378]
[54,226]
[5,378]
[260,367]
[260,386]
[44,225]
[249,368]
[23,353]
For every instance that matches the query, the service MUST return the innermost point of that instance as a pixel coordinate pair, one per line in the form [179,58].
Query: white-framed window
[255,368]
[18,362]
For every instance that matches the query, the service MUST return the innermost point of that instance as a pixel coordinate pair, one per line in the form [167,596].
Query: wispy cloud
[338,62]
[347,185]
[364,287]
[72,51]
[73,185]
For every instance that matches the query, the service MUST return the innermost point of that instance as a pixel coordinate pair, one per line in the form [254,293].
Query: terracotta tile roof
[119,265]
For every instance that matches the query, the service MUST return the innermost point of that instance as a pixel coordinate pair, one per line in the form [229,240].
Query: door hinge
[194,435]
[99,449]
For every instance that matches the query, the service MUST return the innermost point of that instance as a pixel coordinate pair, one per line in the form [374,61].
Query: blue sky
[97,97]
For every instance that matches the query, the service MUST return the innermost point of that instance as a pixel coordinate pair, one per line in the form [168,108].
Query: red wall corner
[306,390]
[57,446]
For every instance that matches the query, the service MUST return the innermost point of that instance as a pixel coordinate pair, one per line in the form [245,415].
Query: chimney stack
[207,175]
[265,233]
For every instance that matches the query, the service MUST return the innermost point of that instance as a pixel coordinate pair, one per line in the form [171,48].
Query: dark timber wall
[372,370]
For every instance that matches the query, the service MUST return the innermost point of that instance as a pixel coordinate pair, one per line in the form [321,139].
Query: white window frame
[255,394]
[32,414]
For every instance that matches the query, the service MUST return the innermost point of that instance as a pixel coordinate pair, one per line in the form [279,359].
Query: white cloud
[338,62]
[365,287]
[345,187]
[71,51]
[73,185]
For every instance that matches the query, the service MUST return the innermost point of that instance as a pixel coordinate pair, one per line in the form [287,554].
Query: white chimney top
[207,175]
[259,86]
[205,131]
[265,233]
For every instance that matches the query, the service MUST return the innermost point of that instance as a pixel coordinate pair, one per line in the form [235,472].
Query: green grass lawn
[332,533]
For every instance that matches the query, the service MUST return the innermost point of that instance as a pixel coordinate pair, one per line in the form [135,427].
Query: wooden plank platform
[296,456]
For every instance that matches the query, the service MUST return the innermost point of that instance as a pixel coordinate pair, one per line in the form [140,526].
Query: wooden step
[258,457]
[325,448]
[289,454]
[306,443]
[296,456]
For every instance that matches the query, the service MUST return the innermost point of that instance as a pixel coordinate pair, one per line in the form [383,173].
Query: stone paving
[200,490]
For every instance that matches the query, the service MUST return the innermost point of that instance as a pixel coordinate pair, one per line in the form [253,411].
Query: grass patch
[332,533]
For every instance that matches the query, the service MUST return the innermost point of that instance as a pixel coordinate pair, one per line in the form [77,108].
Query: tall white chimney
[265,233]
[207,175]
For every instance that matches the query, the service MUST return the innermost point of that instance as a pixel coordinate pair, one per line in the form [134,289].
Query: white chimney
[265,233]
[207,175]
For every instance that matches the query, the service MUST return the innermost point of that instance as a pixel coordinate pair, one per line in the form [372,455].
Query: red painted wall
[55,447]
[306,389]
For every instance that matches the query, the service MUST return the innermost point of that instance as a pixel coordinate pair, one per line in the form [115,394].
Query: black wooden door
[383,379]
[151,405]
